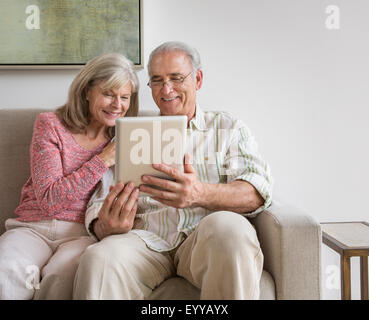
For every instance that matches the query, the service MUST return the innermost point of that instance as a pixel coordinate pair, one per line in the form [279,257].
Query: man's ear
[199,77]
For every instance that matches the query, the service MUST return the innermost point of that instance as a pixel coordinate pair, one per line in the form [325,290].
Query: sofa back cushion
[16,126]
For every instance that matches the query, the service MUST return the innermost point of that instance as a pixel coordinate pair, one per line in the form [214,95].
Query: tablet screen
[142,141]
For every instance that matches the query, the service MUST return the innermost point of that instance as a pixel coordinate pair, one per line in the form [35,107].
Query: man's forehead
[170,63]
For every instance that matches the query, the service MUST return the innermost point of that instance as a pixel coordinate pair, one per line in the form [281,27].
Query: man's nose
[167,87]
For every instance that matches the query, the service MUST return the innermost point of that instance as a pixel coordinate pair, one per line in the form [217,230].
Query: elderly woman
[71,149]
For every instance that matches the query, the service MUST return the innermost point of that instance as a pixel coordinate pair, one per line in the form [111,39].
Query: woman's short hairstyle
[113,71]
[169,46]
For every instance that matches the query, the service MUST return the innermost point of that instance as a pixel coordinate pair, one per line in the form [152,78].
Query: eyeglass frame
[166,82]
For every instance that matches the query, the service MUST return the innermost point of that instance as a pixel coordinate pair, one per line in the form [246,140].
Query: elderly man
[193,226]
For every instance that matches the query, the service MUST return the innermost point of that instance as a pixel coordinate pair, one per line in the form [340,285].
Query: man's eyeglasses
[174,82]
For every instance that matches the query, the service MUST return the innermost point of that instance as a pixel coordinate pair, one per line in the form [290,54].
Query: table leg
[345,278]
[364,277]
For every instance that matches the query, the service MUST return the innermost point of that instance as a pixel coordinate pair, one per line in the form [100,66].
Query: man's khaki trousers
[222,257]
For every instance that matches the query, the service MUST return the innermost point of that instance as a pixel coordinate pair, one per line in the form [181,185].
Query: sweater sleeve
[55,191]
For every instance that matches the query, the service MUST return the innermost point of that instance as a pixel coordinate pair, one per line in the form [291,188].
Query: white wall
[301,88]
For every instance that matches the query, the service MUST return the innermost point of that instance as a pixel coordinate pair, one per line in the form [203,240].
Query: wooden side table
[349,239]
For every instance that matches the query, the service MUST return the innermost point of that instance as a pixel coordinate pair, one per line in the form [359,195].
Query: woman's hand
[108,154]
[118,212]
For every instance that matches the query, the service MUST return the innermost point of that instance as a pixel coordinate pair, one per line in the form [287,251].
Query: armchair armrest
[291,242]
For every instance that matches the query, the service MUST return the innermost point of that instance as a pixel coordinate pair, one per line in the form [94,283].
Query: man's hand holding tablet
[184,191]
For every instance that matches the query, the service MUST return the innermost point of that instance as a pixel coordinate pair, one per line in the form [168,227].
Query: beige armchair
[290,238]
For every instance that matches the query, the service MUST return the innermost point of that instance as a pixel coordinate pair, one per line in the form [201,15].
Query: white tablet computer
[142,141]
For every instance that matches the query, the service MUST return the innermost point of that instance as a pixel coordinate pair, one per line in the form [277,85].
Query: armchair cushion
[291,242]
[177,288]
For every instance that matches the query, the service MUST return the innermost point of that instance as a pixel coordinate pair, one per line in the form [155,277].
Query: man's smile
[169,99]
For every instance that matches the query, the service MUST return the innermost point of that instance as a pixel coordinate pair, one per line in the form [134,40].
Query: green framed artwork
[67,33]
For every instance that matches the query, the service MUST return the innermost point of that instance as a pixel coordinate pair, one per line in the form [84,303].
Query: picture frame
[64,34]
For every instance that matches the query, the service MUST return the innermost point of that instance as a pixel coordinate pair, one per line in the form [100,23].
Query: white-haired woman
[70,151]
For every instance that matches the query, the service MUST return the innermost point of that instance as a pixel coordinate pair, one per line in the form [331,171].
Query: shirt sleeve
[55,191]
[97,199]
[243,162]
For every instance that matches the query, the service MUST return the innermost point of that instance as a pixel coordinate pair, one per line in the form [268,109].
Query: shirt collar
[199,119]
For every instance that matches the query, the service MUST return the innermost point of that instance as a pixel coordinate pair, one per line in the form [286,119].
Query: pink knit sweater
[63,174]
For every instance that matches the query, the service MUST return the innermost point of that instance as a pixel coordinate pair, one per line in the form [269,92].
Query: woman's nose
[116,101]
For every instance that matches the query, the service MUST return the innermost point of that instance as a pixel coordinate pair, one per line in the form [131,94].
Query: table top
[347,235]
